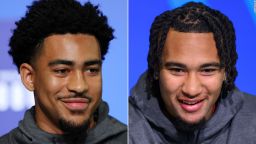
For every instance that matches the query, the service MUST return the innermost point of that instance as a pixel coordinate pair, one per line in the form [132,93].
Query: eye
[177,71]
[61,72]
[93,71]
[208,71]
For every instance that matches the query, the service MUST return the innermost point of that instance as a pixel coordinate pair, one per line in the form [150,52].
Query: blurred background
[15,99]
[242,13]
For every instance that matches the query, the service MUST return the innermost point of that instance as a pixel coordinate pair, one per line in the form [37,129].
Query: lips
[76,104]
[191,105]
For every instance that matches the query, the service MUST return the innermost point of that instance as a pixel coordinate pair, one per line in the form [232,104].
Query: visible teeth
[189,103]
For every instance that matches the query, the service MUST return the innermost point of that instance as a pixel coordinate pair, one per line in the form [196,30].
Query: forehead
[70,47]
[196,47]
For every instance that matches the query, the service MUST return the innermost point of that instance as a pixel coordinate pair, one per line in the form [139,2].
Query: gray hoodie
[234,121]
[107,131]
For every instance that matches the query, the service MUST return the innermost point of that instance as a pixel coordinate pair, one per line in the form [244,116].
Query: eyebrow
[93,62]
[213,64]
[60,61]
[176,64]
[71,63]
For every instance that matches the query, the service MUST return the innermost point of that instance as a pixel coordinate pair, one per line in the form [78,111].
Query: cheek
[168,84]
[95,86]
[169,87]
[95,91]
[48,85]
[213,88]
[213,84]
[55,82]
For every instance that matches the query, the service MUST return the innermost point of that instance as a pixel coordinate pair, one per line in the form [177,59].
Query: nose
[192,86]
[77,82]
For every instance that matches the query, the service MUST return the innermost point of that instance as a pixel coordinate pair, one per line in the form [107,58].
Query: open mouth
[190,102]
[191,106]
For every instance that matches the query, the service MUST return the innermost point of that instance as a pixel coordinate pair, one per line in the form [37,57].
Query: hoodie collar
[36,135]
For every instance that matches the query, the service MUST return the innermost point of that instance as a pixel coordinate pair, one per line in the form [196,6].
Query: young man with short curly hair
[58,48]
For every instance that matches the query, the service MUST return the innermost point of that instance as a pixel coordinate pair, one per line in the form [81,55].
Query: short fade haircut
[197,18]
[48,17]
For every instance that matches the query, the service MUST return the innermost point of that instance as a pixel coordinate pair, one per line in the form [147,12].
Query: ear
[27,76]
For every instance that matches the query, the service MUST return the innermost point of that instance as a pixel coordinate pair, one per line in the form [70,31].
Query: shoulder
[245,119]
[136,117]
[5,139]
[243,126]
[112,131]
[249,104]
[116,124]
[140,130]
[249,98]
[247,113]
[11,137]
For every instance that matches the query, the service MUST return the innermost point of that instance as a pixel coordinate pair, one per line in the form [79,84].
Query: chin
[191,119]
[189,124]
[73,126]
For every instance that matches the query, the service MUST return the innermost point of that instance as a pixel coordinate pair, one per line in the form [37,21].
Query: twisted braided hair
[198,18]
[49,17]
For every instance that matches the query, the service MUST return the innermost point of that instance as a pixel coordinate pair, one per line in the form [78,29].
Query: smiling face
[190,77]
[66,80]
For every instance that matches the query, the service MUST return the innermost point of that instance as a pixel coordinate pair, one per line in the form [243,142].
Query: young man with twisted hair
[58,48]
[188,95]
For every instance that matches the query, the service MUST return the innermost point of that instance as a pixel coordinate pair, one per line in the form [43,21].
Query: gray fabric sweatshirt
[108,130]
[234,121]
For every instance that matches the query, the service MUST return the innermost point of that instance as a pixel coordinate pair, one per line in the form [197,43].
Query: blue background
[14,99]
[241,13]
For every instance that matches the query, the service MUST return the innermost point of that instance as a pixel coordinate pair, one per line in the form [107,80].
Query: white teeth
[189,103]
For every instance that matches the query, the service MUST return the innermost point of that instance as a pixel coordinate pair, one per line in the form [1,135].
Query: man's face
[67,81]
[190,78]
